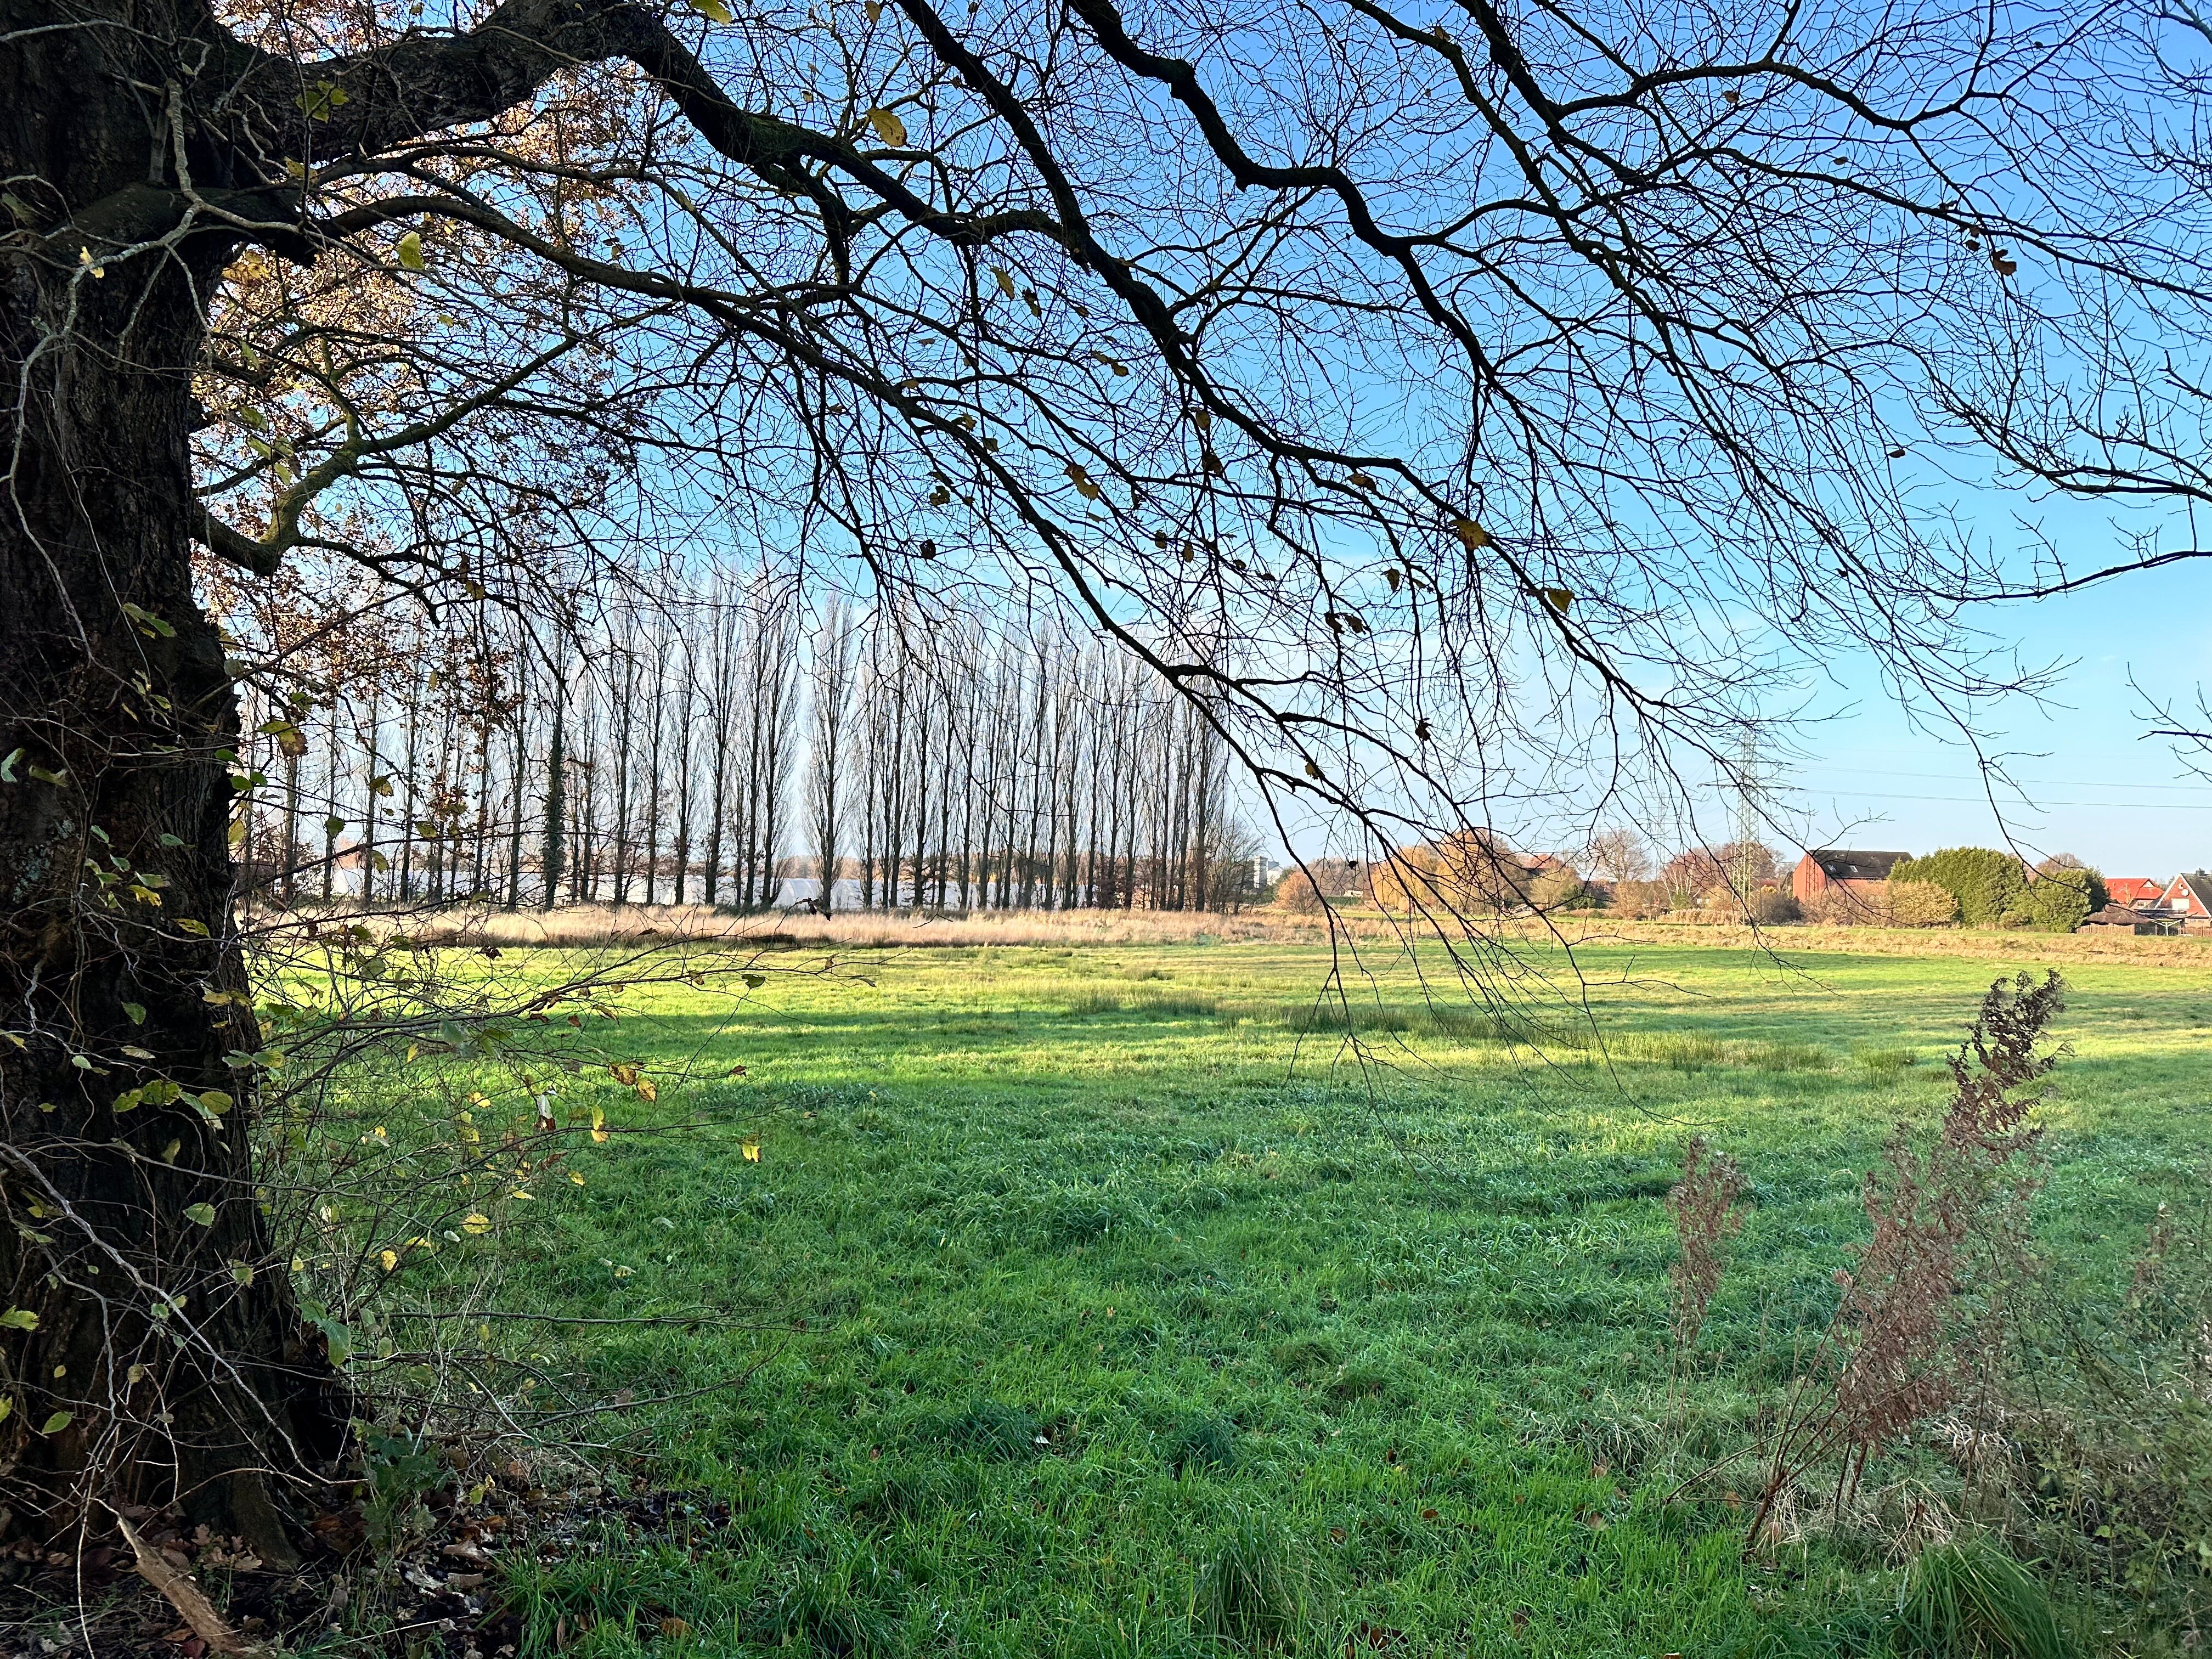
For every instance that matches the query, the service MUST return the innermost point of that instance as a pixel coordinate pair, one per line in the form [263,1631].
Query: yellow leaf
[713,10]
[411,251]
[1472,535]
[476,1222]
[197,929]
[318,104]
[1559,598]
[389,1258]
[888,128]
[599,1123]
[19,1319]
[648,1089]
[7,1405]
[575,1178]
[1006,281]
[752,1149]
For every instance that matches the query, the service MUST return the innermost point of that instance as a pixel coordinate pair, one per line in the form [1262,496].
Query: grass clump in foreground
[1972,1601]
[1161,1329]
[1252,1593]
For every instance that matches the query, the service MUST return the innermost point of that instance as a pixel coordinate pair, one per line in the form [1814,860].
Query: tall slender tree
[831,705]
[554,848]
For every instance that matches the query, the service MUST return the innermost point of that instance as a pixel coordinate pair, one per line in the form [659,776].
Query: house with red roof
[2136,892]
[2188,900]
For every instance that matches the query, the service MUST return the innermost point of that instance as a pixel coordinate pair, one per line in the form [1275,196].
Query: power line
[2047,783]
[1982,800]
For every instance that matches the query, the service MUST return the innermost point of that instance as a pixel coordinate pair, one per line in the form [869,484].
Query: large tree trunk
[149,1348]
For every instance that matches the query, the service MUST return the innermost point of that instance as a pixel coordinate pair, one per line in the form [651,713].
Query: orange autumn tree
[1471,873]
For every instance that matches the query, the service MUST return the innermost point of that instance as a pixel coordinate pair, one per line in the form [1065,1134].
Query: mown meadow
[1115,1300]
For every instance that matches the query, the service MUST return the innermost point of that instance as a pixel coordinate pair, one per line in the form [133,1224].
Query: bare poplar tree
[833,667]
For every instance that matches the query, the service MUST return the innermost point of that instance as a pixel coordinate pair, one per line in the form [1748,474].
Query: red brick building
[1824,869]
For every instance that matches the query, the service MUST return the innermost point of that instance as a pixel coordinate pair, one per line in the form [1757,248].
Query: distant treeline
[706,747]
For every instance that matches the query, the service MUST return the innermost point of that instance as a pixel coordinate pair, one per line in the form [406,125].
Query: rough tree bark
[131,1352]
[146,1350]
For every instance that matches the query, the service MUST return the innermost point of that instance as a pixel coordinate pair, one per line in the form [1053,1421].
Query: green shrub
[2055,903]
[2099,895]
[1985,881]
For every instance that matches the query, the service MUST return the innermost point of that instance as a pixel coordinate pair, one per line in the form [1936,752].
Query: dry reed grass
[600,925]
[574,926]
[2190,949]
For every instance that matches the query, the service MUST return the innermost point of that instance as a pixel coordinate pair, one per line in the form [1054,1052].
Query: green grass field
[1104,1301]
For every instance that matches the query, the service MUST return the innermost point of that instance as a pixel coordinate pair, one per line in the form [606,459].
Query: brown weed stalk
[1702,1204]
[1889,1357]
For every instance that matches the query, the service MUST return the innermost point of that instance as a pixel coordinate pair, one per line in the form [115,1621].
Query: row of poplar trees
[726,747]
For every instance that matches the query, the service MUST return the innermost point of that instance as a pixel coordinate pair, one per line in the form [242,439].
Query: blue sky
[2095,784]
